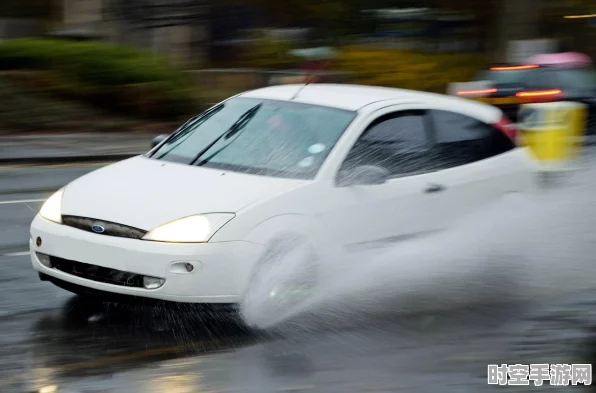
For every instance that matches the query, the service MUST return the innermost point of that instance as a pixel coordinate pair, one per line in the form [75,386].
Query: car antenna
[310,78]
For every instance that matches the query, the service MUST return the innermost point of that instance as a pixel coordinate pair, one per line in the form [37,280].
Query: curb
[66,159]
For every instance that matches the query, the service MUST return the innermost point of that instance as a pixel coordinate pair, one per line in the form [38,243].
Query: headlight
[52,208]
[192,229]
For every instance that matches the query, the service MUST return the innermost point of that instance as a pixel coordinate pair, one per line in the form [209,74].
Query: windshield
[514,77]
[263,137]
[576,79]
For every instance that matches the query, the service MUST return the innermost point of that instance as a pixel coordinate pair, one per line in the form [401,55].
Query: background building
[177,29]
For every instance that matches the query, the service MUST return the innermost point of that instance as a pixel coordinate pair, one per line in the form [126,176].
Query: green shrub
[381,67]
[25,108]
[407,69]
[268,52]
[102,73]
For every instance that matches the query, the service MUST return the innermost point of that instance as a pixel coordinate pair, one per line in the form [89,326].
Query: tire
[283,281]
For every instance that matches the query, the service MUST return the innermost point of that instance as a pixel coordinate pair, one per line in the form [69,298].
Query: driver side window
[397,142]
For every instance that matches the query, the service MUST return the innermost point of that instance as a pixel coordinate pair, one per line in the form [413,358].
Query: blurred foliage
[115,77]
[328,15]
[334,18]
[268,52]
[25,108]
[388,67]
[575,34]
[407,69]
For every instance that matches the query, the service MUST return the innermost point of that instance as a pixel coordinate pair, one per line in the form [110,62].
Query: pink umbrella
[566,59]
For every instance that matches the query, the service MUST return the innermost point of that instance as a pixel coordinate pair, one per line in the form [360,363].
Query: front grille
[110,228]
[97,273]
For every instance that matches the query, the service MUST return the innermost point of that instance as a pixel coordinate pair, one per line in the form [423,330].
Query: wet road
[51,340]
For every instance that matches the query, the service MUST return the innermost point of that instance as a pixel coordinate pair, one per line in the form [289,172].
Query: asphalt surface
[53,341]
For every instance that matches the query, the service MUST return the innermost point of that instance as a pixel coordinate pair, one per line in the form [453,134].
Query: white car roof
[356,97]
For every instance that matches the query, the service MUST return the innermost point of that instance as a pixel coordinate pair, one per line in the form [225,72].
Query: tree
[330,16]
[501,20]
[577,34]
[25,9]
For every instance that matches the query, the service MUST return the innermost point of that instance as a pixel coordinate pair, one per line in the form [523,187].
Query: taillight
[507,127]
[540,94]
[515,68]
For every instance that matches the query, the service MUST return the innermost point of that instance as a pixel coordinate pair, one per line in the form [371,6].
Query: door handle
[434,188]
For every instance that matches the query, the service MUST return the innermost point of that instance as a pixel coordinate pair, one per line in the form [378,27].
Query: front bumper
[221,270]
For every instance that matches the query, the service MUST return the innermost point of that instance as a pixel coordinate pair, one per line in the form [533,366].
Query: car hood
[146,193]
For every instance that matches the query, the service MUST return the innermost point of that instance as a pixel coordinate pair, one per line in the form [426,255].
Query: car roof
[356,97]
[349,97]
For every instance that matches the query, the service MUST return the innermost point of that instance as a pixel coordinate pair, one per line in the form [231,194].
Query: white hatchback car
[333,167]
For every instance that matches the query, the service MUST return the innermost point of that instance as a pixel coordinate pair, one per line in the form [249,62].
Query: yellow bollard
[553,131]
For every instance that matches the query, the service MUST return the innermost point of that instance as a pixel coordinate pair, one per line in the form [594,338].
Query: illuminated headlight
[52,208]
[192,229]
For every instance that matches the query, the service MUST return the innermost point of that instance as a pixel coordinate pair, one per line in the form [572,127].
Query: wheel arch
[283,226]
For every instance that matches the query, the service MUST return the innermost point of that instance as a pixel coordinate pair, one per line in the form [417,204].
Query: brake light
[515,68]
[476,92]
[507,127]
[539,94]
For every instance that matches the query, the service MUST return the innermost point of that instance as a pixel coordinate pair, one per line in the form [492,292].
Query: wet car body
[337,167]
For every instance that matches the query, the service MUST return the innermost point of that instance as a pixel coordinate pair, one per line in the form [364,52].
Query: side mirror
[365,175]
[157,140]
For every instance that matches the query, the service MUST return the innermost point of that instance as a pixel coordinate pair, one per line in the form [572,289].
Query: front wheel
[282,283]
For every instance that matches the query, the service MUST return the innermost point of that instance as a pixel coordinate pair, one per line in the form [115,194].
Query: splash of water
[520,247]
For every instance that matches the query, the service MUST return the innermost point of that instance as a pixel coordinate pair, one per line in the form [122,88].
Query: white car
[335,168]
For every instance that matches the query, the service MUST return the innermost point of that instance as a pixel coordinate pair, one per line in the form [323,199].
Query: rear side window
[461,140]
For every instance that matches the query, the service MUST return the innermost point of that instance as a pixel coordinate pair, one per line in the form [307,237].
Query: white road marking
[16,254]
[21,201]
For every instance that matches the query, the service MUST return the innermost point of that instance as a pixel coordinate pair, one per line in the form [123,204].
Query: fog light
[152,282]
[44,259]
[38,241]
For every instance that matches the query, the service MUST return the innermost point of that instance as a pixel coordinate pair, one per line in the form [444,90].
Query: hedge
[112,76]
[381,67]
[24,108]
[408,69]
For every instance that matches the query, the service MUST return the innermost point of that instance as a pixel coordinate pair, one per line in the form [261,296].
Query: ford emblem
[98,229]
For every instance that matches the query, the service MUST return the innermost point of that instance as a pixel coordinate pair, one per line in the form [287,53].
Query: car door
[382,214]
[476,163]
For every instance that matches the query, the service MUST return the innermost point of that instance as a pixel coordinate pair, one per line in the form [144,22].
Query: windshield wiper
[180,131]
[230,132]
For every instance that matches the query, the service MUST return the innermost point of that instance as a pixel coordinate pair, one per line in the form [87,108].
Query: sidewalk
[65,148]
